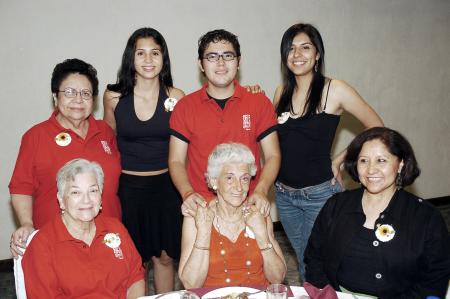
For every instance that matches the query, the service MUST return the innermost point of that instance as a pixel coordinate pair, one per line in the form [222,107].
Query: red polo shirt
[40,158]
[198,120]
[56,265]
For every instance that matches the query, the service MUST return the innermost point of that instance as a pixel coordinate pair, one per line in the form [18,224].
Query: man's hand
[190,204]
[260,201]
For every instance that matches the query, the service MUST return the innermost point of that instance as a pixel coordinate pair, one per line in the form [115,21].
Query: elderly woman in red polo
[70,132]
[79,253]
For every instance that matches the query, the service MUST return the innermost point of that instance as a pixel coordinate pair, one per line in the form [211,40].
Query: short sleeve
[180,120]
[40,277]
[23,180]
[267,121]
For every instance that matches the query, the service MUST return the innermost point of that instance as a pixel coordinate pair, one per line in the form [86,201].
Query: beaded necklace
[223,252]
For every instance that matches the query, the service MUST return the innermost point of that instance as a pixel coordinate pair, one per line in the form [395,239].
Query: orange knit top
[236,255]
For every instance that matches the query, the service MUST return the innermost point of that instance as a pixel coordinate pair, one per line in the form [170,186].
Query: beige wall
[395,53]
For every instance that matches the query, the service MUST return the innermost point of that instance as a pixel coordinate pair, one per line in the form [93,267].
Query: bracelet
[268,247]
[200,247]
[187,194]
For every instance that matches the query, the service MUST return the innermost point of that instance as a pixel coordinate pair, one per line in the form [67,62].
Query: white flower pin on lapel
[385,233]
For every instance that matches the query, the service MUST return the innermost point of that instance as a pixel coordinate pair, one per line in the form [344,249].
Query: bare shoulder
[176,93]
[277,95]
[340,89]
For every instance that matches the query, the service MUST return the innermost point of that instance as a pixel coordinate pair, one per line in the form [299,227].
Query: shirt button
[382,216]
[375,243]
[378,276]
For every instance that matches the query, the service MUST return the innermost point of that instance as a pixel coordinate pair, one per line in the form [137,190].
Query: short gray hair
[73,168]
[229,153]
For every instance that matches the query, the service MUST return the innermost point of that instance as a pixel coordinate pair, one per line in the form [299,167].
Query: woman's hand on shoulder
[343,97]
[19,239]
[176,93]
[110,100]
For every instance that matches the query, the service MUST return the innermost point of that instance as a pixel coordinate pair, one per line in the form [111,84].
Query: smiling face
[233,183]
[302,55]
[378,168]
[82,198]
[219,73]
[77,108]
[148,58]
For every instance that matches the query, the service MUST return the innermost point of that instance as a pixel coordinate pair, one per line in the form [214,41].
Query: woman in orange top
[228,242]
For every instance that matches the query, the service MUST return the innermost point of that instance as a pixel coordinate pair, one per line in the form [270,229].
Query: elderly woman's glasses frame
[71,93]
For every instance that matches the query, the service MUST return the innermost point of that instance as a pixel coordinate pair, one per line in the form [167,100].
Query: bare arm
[110,100]
[136,290]
[176,93]
[343,97]
[23,206]
[177,168]
[274,265]
[195,243]
[269,172]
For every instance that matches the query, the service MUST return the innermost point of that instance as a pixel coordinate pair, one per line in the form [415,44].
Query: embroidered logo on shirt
[246,122]
[112,240]
[106,147]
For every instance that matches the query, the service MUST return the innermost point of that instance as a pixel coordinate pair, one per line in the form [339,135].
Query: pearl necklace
[223,253]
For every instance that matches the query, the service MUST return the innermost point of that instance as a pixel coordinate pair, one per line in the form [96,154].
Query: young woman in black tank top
[309,106]
[138,108]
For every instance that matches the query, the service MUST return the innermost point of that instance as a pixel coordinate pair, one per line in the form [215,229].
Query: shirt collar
[63,235]
[238,92]
[92,130]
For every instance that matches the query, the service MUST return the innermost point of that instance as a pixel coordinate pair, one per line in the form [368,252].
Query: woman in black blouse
[380,240]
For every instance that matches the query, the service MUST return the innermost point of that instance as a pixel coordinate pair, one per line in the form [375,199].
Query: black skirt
[151,211]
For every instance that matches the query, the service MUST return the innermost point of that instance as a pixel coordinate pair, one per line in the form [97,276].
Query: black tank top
[305,144]
[143,145]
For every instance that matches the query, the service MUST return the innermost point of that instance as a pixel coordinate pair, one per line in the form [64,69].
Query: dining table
[296,292]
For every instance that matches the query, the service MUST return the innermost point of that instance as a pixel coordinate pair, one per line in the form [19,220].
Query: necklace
[223,253]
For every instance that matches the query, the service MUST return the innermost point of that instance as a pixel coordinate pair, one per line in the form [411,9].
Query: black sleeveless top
[305,144]
[143,145]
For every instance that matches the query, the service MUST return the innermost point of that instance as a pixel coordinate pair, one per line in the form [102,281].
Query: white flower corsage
[63,139]
[169,104]
[112,240]
[385,232]
[283,117]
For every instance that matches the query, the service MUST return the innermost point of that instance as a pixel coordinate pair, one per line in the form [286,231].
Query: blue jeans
[298,209]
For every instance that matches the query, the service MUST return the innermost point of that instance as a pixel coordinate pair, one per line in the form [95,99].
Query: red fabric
[204,125]
[315,293]
[56,265]
[40,158]
[236,256]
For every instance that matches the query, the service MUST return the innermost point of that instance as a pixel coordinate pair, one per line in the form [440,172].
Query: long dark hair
[314,95]
[126,75]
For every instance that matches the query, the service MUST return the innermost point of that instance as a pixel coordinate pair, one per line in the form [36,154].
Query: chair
[18,272]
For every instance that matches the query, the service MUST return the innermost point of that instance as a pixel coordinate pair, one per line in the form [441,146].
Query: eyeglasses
[70,92]
[214,57]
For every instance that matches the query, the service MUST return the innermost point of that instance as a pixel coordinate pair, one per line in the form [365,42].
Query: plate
[230,290]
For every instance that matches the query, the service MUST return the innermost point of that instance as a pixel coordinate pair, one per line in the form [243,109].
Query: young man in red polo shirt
[221,111]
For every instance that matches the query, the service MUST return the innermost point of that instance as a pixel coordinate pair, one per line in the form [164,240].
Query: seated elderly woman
[78,254]
[380,240]
[229,242]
